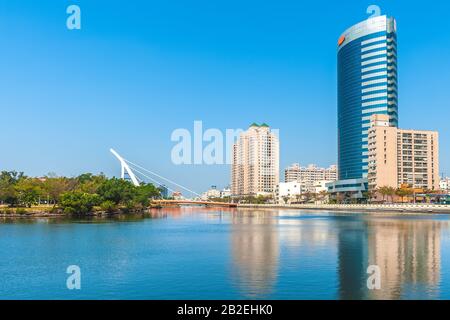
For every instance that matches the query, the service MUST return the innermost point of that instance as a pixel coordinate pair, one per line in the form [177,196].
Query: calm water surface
[198,253]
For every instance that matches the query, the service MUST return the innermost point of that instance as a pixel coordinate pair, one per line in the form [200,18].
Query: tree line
[389,192]
[78,195]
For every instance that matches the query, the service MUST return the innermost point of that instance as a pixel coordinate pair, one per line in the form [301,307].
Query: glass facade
[367,85]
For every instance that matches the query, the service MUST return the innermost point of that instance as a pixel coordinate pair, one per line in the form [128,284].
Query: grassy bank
[50,211]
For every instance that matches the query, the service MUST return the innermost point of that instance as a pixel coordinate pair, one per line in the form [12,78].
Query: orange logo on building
[341,40]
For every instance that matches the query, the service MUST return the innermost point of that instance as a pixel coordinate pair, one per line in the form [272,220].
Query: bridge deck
[206,203]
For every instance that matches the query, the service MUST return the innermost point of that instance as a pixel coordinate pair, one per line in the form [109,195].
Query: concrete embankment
[400,208]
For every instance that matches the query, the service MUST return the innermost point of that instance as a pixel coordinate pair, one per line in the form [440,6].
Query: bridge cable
[155,181]
[161,177]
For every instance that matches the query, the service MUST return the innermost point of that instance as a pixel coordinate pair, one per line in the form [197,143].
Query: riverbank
[48,213]
[400,208]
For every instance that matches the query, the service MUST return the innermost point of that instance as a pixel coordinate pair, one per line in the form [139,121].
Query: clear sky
[137,70]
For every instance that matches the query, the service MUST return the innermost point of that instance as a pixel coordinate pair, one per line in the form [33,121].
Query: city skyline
[225,156]
[142,95]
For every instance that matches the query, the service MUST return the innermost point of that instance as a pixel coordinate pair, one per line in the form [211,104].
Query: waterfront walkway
[407,208]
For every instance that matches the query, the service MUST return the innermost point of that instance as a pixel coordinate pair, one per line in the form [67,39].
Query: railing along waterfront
[422,207]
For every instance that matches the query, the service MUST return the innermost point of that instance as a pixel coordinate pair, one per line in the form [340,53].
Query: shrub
[21,211]
[54,210]
[108,206]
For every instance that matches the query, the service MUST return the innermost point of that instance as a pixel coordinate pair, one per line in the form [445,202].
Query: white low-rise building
[320,186]
[287,192]
[214,193]
[211,193]
[444,184]
[299,191]
[177,195]
[225,192]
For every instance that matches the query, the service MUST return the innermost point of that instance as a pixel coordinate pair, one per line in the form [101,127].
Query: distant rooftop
[254,124]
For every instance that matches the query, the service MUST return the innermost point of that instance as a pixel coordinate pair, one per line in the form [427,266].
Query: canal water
[199,253]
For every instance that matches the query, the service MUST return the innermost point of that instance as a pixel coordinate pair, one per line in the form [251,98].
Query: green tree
[366,195]
[307,196]
[76,202]
[404,192]
[90,183]
[8,181]
[260,199]
[117,191]
[322,195]
[339,197]
[386,191]
[400,192]
[144,193]
[348,197]
[28,191]
[55,187]
[391,193]
[85,177]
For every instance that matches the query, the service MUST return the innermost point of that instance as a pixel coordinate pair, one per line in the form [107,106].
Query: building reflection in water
[255,252]
[407,252]
[352,257]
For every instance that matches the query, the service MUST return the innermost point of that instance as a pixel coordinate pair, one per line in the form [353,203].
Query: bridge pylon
[125,168]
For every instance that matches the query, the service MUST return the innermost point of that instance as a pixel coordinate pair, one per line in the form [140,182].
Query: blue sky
[137,70]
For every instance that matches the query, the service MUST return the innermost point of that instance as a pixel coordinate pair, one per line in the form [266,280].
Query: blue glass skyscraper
[367,85]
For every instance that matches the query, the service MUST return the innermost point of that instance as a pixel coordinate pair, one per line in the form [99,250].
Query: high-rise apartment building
[312,172]
[418,158]
[309,176]
[255,162]
[402,157]
[382,153]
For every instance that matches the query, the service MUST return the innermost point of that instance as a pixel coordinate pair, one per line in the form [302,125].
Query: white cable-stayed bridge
[130,169]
